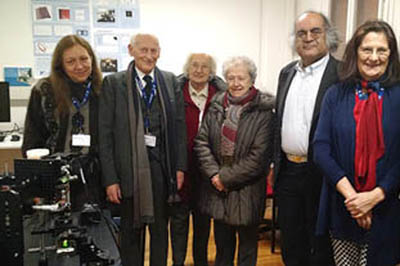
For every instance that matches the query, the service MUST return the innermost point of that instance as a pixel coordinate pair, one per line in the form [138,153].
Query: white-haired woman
[199,84]
[234,148]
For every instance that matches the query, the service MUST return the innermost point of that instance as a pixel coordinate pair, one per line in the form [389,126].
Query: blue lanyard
[78,105]
[85,99]
[148,100]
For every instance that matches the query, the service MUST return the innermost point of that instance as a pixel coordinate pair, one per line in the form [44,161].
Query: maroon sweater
[192,113]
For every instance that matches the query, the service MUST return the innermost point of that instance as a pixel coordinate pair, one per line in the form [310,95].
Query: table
[9,150]
[99,232]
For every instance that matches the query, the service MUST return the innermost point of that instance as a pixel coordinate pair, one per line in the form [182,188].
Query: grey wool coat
[245,179]
[123,154]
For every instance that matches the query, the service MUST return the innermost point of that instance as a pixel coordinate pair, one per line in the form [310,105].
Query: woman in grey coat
[234,150]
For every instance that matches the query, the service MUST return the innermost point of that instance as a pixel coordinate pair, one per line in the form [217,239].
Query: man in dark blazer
[142,143]
[302,85]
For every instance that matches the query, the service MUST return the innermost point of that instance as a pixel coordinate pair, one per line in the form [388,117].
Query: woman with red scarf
[234,150]
[357,146]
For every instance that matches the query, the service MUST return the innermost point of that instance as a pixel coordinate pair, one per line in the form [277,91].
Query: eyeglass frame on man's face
[315,33]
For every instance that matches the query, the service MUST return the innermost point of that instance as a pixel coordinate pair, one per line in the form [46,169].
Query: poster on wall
[105,24]
[121,14]
[18,75]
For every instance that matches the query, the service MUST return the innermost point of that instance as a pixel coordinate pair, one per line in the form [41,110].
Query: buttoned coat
[115,134]
[245,180]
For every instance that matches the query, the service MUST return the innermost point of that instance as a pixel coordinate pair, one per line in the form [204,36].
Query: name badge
[150,140]
[81,140]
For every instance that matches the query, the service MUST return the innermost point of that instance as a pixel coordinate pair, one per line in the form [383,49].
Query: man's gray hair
[240,60]
[211,63]
[137,36]
[332,35]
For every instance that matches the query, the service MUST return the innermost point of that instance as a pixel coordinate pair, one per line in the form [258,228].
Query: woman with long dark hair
[62,114]
[357,146]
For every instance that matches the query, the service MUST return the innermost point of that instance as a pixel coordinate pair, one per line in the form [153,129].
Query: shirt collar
[309,70]
[202,92]
[141,74]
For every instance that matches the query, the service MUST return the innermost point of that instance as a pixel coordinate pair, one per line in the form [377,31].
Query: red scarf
[369,137]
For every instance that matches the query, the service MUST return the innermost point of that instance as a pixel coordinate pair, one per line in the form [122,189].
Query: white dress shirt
[299,107]
[199,98]
[141,76]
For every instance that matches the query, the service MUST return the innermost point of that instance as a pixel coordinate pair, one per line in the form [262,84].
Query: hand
[114,193]
[361,203]
[365,221]
[217,183]
[180,176]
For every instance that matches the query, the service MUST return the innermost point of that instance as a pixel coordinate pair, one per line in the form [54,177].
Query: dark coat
[190,189]
[42,125]
[44,129]
[245,179]
[116,139]
[286,76]
[334,147]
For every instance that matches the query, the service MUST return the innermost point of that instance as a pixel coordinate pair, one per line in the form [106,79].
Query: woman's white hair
[211,62]
[240,60]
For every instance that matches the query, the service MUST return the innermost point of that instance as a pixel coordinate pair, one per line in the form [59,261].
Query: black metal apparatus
[48,181]
[11,230]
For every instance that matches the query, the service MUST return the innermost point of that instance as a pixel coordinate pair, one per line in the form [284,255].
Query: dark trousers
[131,239]
[225,240]
[179,225]
[298,191]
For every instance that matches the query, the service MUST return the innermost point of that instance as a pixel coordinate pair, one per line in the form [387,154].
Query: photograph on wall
[64,13]
[118,14]
[44,47]
[105,15]
[43,13]
[108,65]
[18,76]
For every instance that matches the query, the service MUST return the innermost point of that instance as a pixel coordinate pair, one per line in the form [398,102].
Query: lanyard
[148,100]
[85,99]
[78,118]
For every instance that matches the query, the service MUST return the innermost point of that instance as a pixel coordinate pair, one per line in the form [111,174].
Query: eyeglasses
[366,52]
[315,33]
[198,66]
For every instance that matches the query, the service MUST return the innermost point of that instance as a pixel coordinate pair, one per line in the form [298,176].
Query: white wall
[222,28]
[320,6]
[15,49]
[276,25]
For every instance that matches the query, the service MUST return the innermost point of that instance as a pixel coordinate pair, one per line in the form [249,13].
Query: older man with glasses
[302,85]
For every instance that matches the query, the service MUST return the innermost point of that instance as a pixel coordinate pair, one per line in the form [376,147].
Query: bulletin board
[106,24]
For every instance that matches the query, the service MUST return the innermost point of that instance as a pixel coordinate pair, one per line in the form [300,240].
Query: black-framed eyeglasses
[315,32]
